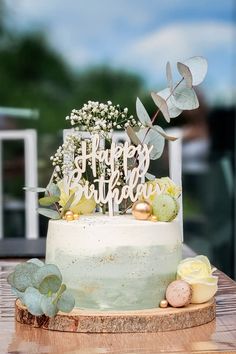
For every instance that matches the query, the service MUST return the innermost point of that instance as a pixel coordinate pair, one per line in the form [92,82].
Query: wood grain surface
[218,336]
[143,321]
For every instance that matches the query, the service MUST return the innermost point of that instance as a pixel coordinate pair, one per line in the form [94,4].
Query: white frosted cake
[115,263]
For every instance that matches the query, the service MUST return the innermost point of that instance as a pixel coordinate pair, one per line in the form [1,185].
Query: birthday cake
[114,239]
[115,263]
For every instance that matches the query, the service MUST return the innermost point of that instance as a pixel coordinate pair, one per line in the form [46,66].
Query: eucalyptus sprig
[39,287]
[170,102]
[49,202]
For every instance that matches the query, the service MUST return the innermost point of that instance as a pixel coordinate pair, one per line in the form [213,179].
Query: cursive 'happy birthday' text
[107,190]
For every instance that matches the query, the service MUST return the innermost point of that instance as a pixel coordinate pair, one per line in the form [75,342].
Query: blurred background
[56,55]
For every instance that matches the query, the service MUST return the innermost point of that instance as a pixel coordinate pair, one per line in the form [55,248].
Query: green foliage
[47,279]
[39,287]
[68,204]
[66,302]
[52,190]
[23,275]
[172,101]
[142,114]
[48,201]
[32,299]
[193,70]
[36,261]
[34,189]
[173,111]
[49,213]
[18,294]
[133,136]
[51,197]
[185,98]
[48,307]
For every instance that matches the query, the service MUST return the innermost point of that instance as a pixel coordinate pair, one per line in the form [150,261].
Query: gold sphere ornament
[69,217]
[153,218]
[76,216]
[141,210]
[163,304]
[69,213]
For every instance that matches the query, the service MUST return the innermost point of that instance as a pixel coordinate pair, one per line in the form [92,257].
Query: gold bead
[69,217]
[69,212]
[141,210]
[153,218]
[163,304]
[76,216]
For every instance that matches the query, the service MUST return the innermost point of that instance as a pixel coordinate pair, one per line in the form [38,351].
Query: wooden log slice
[153,320]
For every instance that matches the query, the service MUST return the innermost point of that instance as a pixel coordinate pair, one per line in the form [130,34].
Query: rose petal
[205,260]
[204,291]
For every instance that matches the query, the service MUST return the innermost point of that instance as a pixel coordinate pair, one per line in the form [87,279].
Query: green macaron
[165,207]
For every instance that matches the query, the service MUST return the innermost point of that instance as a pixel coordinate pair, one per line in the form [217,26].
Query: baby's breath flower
[100,117]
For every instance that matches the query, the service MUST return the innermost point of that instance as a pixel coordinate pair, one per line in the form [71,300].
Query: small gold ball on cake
[179,293]
[153,218]
[141,210]
[69,213]
[76,216]
[163,304]
[69,217]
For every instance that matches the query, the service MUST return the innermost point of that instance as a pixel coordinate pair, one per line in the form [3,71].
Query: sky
[139,35]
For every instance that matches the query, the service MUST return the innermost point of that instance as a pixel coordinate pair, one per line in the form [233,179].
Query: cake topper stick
[110,207]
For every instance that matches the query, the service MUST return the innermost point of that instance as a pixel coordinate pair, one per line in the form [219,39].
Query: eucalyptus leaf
[36,261]
[23,275]
[68,203]
[160,102]
[186,73]
[142,114]
[185,98]
[133,136]
[161,131]
[49,213]
[150,177]
[47,279]
[48,201]
[66,302]
[198,68]
[34,189]
[10,278]
[52,190]
[32,299]
[154,139]
[18,294]
[158,143]
[173,111]
[169,75]
[48,307]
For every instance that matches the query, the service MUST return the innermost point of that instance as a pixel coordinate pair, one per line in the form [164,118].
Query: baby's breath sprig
[101,118]
[63,159]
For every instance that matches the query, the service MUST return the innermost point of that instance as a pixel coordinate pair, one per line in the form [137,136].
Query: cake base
[153,320]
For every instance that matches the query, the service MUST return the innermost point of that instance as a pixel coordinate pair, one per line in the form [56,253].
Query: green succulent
[39,287]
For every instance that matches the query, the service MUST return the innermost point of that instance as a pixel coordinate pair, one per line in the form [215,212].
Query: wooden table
[218,336]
